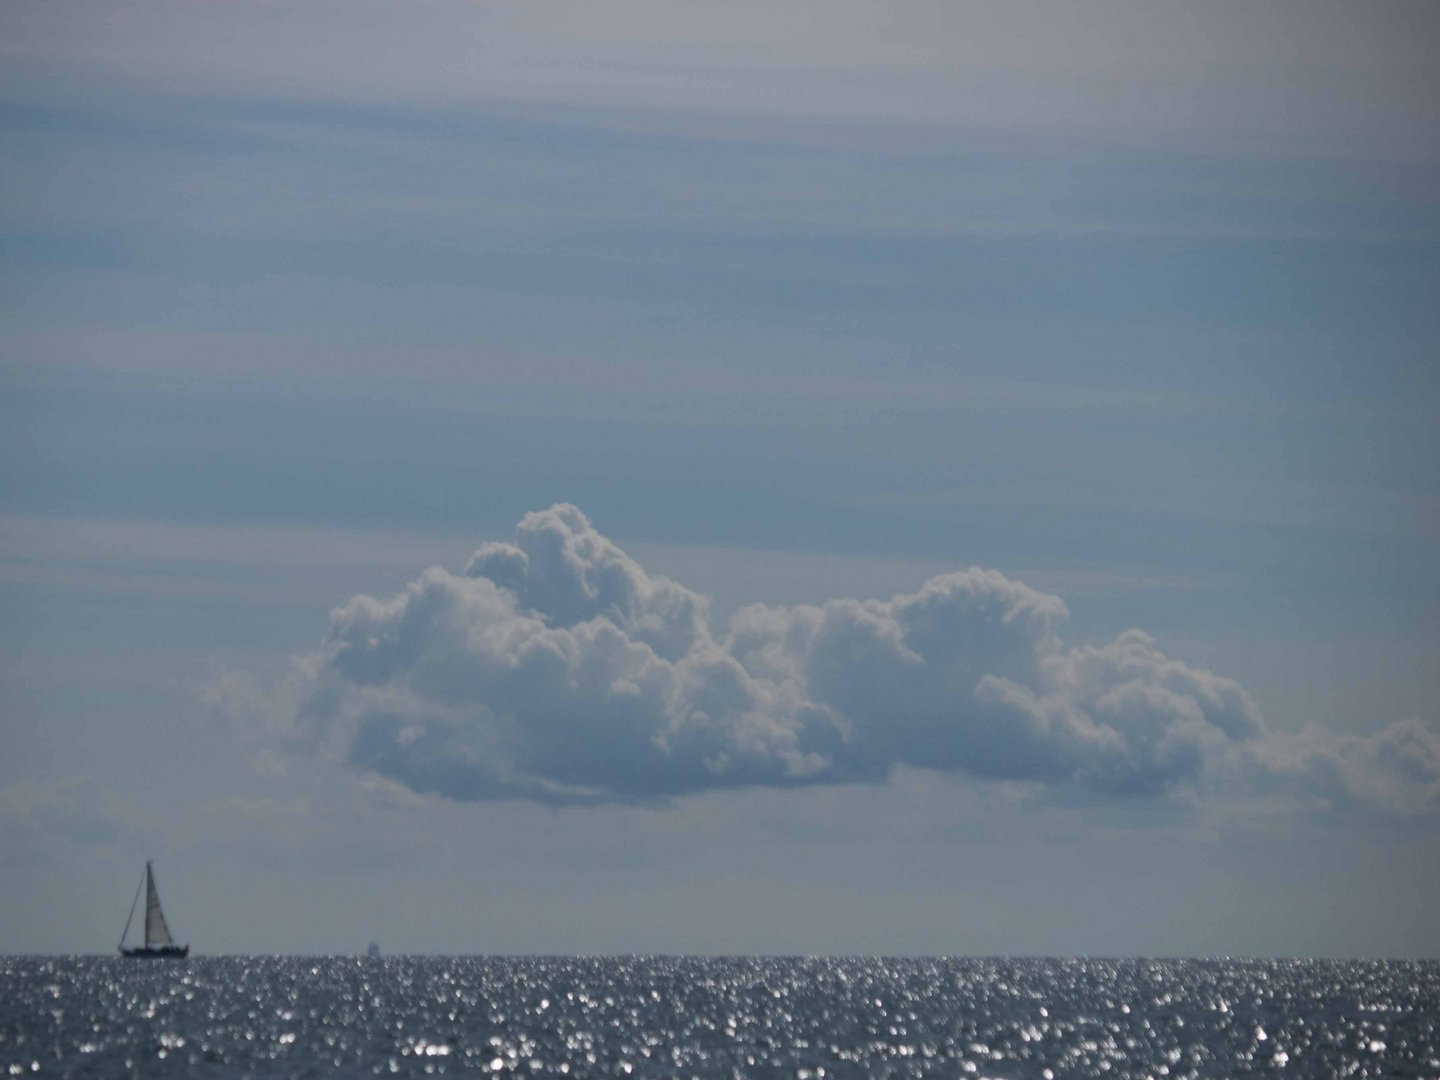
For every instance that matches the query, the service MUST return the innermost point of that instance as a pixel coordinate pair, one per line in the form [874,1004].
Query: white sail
[156,932]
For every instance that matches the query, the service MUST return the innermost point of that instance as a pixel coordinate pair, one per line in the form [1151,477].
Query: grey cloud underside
[555,668]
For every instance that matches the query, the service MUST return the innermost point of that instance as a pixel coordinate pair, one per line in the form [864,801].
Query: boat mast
[131,916]
[150,900]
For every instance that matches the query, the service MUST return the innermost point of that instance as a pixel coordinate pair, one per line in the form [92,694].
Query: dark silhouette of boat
[158,942]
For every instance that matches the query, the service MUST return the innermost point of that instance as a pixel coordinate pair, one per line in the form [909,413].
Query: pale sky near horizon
[672,310]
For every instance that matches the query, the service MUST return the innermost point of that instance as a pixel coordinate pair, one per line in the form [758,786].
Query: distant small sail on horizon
[373,952]
[158,942]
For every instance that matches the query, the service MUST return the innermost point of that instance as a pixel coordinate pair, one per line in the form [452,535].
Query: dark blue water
[766,1017]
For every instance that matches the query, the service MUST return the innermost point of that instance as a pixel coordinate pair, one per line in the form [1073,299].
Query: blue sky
[1133,304]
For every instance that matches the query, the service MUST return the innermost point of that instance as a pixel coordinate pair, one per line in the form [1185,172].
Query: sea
[657,1016]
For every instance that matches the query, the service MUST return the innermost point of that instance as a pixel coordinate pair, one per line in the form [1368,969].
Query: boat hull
[157,952]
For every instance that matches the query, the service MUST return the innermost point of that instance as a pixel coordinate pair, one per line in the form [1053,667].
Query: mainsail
[156,932]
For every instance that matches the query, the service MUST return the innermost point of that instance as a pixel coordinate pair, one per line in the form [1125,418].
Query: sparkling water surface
[692,1016]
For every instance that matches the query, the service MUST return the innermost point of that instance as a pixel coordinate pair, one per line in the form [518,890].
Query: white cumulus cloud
[555,668]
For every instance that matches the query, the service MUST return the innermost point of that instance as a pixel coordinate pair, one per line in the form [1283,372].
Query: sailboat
[158,942]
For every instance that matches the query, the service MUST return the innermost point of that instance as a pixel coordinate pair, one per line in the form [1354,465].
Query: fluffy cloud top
[556,668]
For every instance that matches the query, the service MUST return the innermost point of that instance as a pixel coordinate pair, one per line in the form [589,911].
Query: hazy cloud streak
[1325,69]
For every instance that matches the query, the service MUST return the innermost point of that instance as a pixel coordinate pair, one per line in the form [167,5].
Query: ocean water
[729,1017]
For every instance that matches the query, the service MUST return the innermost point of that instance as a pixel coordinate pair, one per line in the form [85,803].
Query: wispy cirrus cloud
[556,668]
